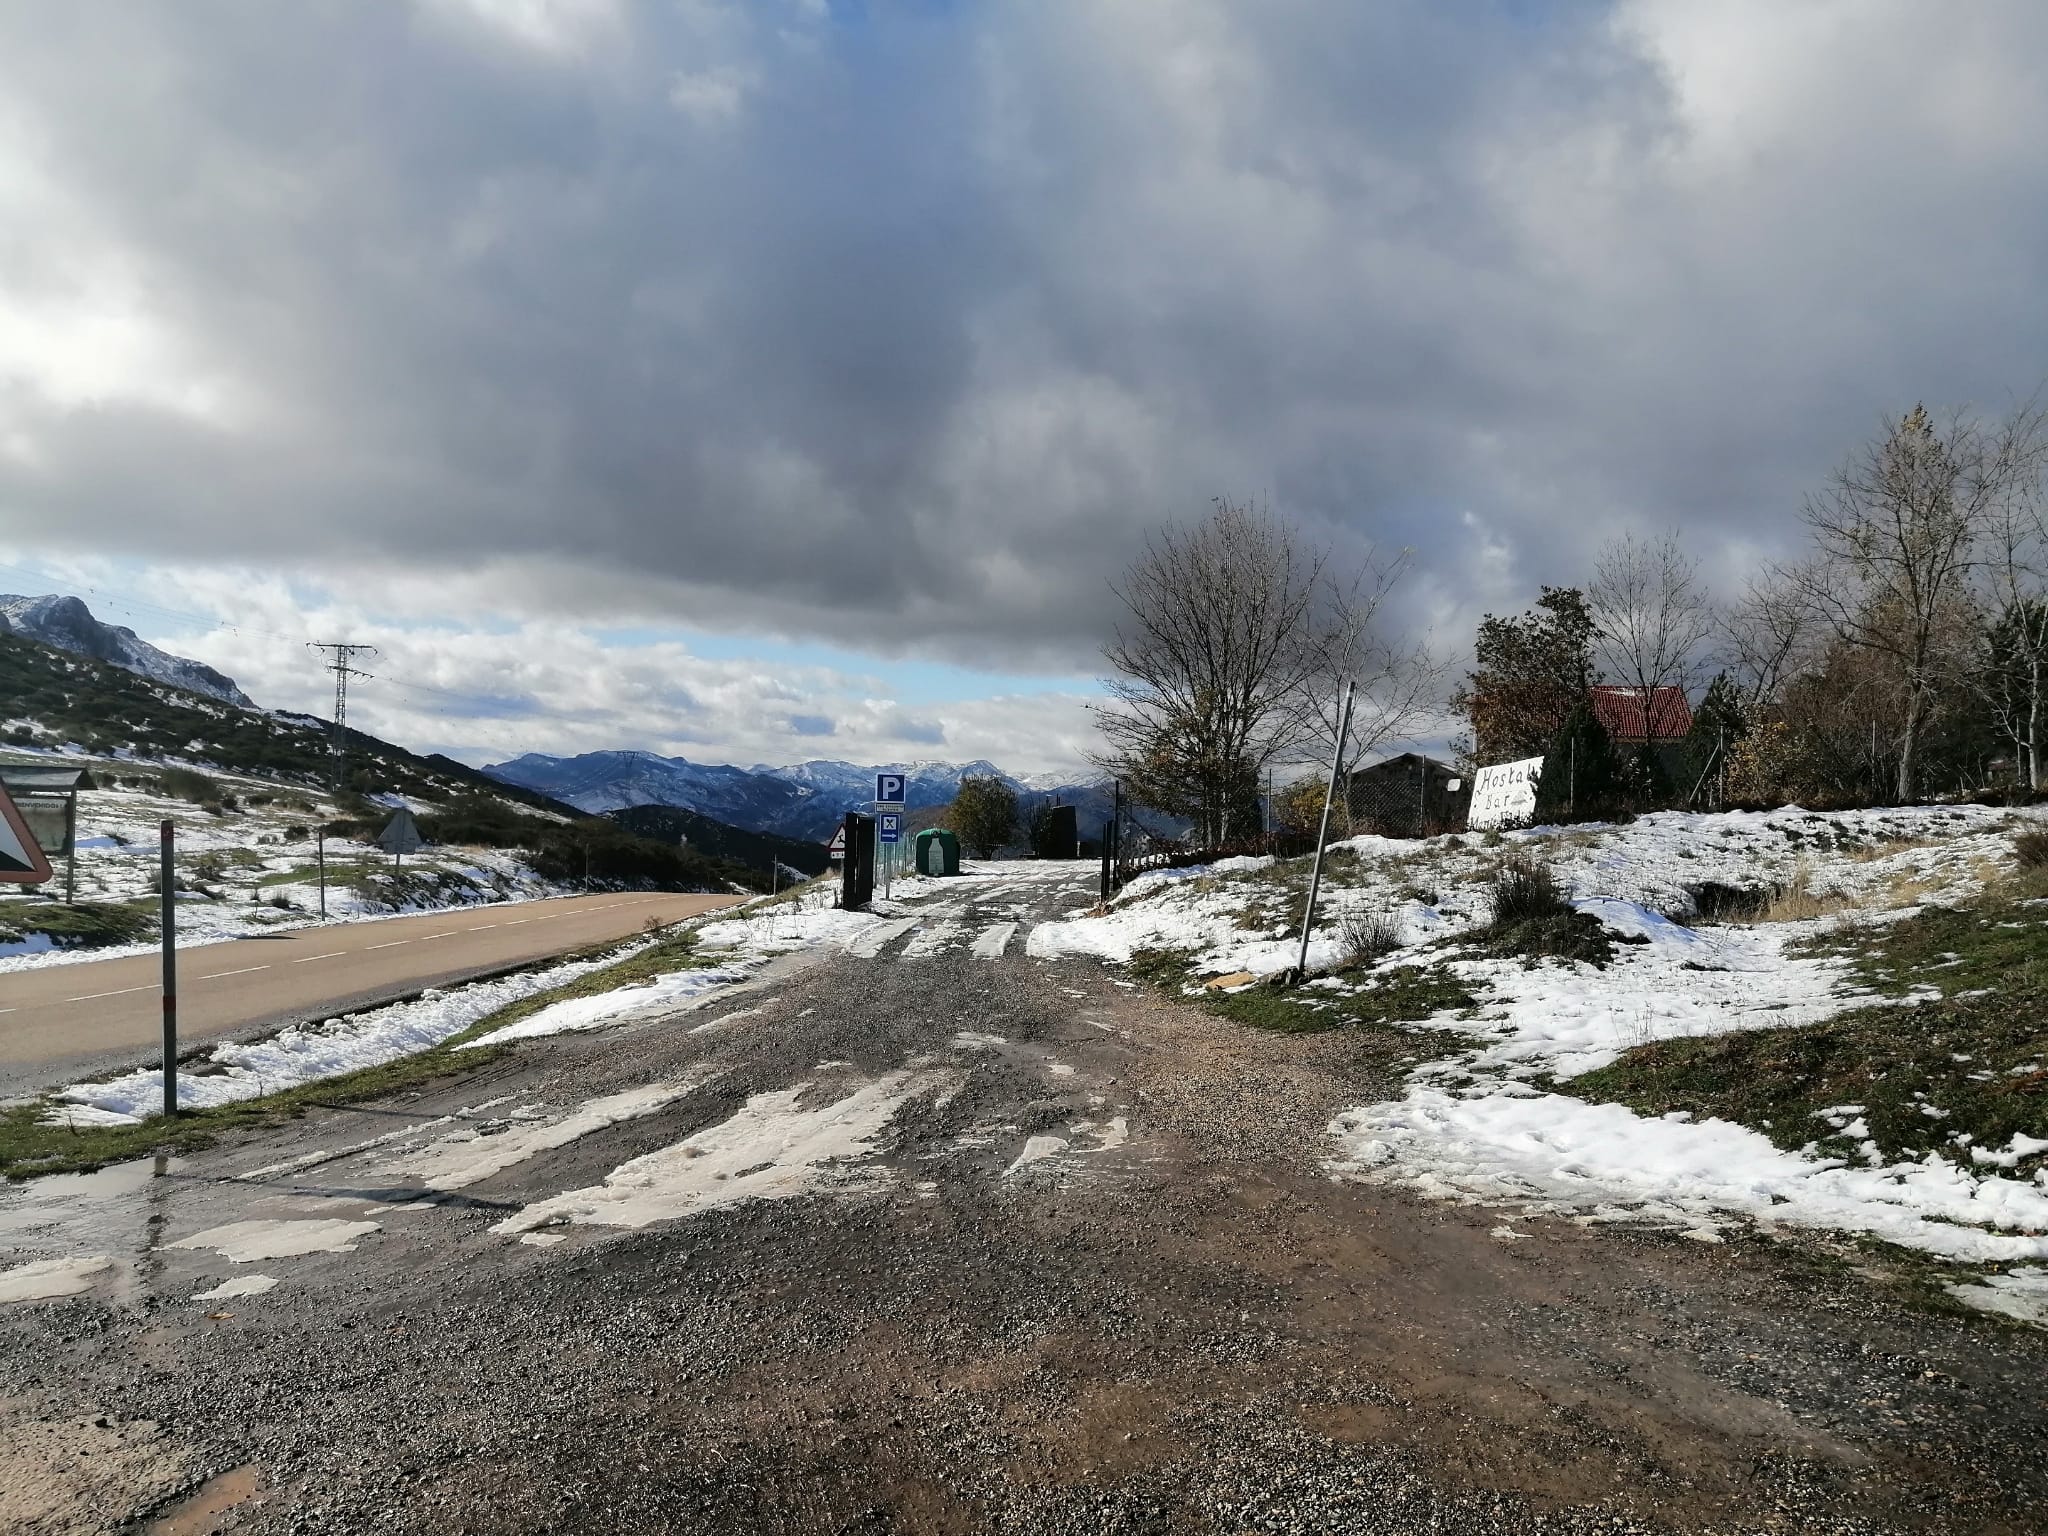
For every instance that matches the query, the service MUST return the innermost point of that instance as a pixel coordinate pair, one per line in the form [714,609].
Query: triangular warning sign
[22,860]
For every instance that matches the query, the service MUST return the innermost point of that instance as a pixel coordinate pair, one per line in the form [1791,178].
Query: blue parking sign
[892,826]
[888,789]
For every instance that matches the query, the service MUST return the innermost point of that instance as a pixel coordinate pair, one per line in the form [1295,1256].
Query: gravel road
[935,1242]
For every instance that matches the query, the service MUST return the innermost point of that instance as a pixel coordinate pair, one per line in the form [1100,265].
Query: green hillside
[159,735]
[666,823]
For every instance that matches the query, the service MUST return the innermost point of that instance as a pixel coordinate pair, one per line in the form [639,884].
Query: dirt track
[1186,1329]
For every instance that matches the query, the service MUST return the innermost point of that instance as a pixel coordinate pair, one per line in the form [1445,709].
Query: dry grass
[1884,848]
[1796,901]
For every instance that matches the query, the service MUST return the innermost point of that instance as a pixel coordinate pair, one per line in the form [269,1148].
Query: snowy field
[1495,1121]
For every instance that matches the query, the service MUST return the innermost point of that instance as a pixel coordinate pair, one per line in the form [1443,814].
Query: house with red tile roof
[1641,716]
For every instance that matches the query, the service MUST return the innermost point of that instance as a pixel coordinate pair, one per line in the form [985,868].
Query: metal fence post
[168,921]
[1315,880]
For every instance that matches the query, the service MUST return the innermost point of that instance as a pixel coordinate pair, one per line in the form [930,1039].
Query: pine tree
[1532,671]
[1581,778]
[1717,725]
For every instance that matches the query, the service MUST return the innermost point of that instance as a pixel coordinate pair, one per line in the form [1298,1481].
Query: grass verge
[1964,1069]
[82,924]
[29,1146]
[1404,994]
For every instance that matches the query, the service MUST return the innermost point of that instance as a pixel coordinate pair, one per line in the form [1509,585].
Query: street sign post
[401,835]
[22,860]
[836,849]
[889,789]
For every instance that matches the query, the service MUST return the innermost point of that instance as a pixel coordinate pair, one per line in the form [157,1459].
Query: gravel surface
[1173,1324]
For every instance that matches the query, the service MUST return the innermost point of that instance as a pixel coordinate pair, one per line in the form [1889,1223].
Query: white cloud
[711,95]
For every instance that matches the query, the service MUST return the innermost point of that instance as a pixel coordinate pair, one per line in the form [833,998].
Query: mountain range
[803,800]
[66,624]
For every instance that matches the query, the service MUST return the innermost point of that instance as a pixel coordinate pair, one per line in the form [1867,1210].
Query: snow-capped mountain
[68,625]
[804,800]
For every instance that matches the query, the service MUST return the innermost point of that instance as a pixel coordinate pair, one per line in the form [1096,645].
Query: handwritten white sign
[1504,794]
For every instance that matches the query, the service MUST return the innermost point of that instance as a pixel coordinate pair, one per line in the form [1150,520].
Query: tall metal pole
[167,843]
[1315,879]
[320,858]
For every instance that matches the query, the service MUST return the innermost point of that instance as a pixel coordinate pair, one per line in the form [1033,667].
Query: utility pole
[344,653]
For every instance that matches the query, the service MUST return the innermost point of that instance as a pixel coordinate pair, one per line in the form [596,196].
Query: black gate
[857,873]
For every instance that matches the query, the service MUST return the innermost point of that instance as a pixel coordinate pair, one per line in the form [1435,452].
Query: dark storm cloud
[899,325]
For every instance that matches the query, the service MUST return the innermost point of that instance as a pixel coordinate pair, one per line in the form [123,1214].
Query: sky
[784,379]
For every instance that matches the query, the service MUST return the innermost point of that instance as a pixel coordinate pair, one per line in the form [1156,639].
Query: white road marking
[480,927]
[245,970]
[993,941]
[521,923]
[391,944]
[332,954]
[117,992]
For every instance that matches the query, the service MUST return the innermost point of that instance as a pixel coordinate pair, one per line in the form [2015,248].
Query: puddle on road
[198,1512]
[114,1215]
[771,1149]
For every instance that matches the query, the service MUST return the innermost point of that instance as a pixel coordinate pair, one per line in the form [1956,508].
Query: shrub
[1525,891]
[1715,902]
[1366,937]
[2030,848]
[189,784]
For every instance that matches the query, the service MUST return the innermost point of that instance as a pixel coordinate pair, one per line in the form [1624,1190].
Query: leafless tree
[1220,643]
[1899,533]
[1652,615]
[1400,680]
[2014,573]
[1767,637]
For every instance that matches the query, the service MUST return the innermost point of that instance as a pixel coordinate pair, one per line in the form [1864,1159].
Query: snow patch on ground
[247,1242]
[608,1008]
[772,1149]
[1553,1153]
[308,1053]
[458,1161]
[48,1279]
[242,1285]
[2021,1294]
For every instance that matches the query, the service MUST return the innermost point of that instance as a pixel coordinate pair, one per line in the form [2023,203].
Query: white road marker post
[1315,879]
[168,922]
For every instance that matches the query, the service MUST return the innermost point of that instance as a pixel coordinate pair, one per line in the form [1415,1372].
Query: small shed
[938,852]
[1407,796]
[47,797]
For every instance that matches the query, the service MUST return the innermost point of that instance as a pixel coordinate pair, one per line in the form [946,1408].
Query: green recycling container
[938,852]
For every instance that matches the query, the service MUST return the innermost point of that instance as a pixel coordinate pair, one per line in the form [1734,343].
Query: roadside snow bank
[1552,1153]
[607,1008]
[233,1072]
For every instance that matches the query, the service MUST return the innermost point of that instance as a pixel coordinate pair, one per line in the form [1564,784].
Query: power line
[344,652]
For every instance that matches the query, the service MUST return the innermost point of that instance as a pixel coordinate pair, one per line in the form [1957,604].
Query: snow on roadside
[607,1008]
[1480,1125]
[1549,1153]
[307,1053]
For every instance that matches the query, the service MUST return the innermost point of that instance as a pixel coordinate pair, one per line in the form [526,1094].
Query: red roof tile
[1620,711]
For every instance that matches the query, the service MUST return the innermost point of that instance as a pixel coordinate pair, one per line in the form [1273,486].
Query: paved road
[937,1238]
[64,1020]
